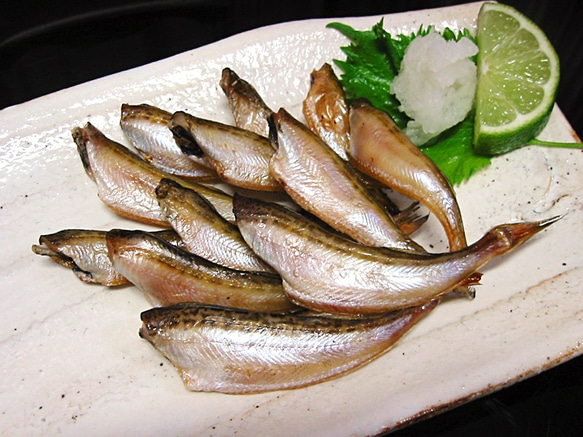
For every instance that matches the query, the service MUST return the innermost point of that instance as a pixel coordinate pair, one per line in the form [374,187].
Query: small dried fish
[127,184]
[168,275]
[248,108]
[204,231]
[326,111]
[380,149]
[240,157]
[84,251]
[324,272]
[148,129]
[228,351]
[326,186]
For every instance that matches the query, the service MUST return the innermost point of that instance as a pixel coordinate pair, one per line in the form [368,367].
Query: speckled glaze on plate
[73,364]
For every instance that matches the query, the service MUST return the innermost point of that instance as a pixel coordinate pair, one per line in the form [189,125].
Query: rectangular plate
[72,362]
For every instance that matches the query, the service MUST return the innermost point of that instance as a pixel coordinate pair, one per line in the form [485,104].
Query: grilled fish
[84,251]
[248,108]
[381,150]
[126,183]
[326,111]
[325,272]
[323,184]
[148,129]
[168,275]
[229,351]
[204,231]
[240,157]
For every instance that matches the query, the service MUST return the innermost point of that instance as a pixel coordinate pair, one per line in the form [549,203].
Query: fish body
[168,275]
[325,272]
[381,150]
[204,231]
[228,351]
[326,111]
[323,184]
[247,106]
[127,184]
[240,157]
[147,128]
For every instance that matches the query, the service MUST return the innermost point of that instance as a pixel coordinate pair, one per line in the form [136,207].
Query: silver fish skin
[240,157]
[168,275]
[319,181]
[228,351]
[326,111]
[248,108]
[84,251]
[147,128]
[324,272]
[204,231]
[381,150]
[127,184]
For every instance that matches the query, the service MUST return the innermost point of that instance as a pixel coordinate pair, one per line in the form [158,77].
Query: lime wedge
[518,75]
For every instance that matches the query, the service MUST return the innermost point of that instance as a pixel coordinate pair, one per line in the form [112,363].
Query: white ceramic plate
[72,362]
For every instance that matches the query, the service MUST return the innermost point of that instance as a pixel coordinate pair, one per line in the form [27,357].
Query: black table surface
[46,46]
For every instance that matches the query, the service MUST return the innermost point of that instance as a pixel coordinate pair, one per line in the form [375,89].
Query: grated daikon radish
[436,84]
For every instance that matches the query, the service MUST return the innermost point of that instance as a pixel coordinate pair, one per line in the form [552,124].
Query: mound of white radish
[436,84]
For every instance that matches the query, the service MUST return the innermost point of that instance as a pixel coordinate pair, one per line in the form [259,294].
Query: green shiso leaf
[454,155]
[368,71]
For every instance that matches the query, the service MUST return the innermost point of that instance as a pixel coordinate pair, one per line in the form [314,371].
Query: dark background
[49,45]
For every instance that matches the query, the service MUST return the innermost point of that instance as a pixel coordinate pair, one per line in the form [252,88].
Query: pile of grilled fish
[282,258]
